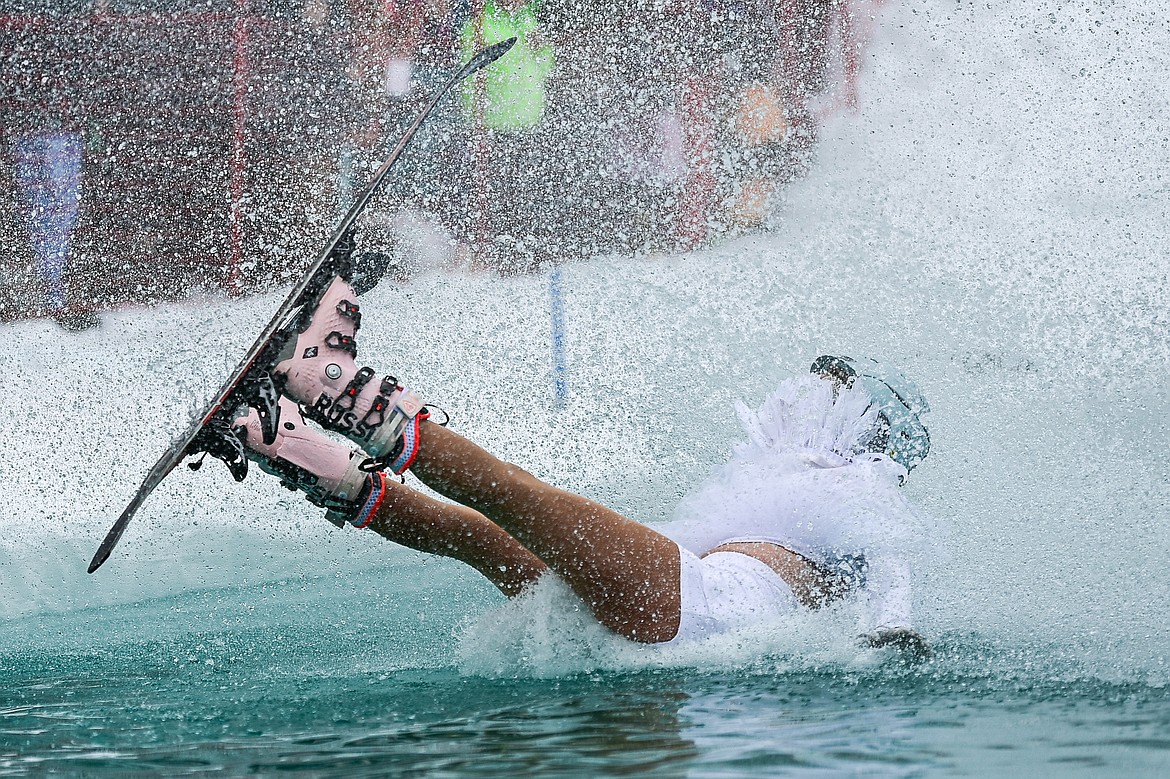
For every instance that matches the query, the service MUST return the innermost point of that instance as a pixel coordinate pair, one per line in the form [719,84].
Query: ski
[249,383]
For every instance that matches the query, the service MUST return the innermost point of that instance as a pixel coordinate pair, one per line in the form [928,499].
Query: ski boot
[318,370]
[332,475]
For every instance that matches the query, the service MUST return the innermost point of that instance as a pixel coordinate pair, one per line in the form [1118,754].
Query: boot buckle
[350,311]
[345,343]
[345,401]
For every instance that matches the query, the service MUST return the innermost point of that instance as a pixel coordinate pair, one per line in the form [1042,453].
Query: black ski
[249,383]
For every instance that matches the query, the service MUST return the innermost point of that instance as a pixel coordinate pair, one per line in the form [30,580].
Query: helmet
[900,433]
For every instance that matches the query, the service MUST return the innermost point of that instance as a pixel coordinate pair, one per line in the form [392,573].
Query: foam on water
[993,221]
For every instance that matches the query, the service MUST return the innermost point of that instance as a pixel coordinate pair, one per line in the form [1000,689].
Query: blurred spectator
[749,129]
[701,86]
[47,149]
[760,126]
[506,104]
[383,36]
[514,94]
[48,175]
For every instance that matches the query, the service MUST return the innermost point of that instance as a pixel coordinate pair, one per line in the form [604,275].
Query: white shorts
[726,590]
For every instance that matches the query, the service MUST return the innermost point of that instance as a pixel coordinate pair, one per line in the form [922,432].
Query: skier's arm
[889,609]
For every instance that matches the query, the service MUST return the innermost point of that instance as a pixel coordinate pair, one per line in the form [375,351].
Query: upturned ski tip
[495,51]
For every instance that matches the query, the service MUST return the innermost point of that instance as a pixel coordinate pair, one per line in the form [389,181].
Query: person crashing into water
[808,512]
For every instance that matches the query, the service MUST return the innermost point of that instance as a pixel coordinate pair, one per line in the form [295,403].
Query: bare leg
[420,522]
[627,573]
[328,471]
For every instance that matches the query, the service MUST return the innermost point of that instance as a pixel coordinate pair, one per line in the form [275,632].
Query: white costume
[803,481]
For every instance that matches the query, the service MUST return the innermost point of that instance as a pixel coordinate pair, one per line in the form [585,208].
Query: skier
[807,513]
[48,165]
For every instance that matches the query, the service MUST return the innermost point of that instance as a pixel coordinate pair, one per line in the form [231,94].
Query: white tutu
[802,481]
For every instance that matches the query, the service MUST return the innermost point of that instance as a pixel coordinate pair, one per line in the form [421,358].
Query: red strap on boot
[369,509]
[410,442]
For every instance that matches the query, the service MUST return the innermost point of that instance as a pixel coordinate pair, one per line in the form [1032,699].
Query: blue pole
[556,297]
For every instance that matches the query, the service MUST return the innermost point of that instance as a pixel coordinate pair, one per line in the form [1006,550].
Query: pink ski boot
[318,370]
[327,471]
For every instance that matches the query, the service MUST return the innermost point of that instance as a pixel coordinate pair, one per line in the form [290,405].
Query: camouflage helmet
[900,433]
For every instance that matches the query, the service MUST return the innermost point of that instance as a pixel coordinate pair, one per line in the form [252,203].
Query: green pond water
[211,683]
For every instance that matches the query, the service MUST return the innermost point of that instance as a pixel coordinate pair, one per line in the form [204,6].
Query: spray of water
[992,221]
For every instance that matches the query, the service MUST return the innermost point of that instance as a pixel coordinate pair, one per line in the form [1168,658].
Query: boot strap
[410,441]
[374,494]
[350,311]
[345,401]
[377,413]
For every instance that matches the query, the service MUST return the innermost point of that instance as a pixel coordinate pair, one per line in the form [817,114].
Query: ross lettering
[344,420]
[327,412]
